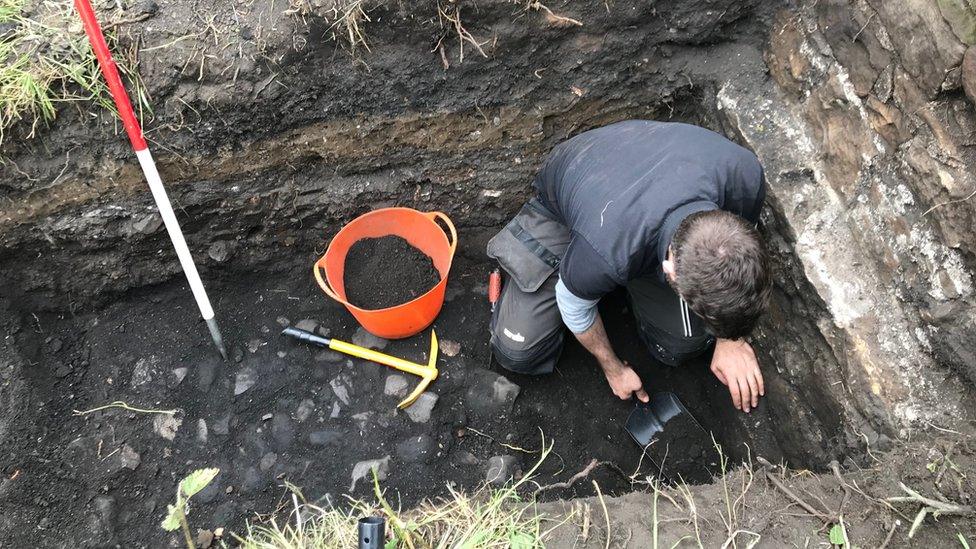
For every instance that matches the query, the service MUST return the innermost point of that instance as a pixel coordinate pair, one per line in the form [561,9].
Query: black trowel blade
[673,439]
[648,420]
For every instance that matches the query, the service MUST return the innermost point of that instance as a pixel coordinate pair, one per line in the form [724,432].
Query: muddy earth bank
[272,129]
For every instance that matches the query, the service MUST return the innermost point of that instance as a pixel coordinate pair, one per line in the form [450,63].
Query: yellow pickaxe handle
[427,372]
[421,370]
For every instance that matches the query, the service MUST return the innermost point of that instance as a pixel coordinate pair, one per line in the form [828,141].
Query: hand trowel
[673,439]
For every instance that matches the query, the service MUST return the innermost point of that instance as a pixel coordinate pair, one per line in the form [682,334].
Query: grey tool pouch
[530,247]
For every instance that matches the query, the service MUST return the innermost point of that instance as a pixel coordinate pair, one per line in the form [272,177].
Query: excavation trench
[280,411]
[866,336]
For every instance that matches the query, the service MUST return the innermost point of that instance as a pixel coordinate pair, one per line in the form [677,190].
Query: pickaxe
[427,372]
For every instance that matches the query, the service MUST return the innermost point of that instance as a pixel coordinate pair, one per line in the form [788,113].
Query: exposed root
[552,18]
[640,462]
[124,406]
[447,65]
[835,467]
[452,18]
[120,22]
[502,444]
[572,480]
[346,21]
[822,515]
[942,204]
[946,464]
[929,506]
[351,15]
[891,534]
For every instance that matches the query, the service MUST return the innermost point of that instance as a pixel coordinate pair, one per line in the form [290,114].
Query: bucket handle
[325,285]
[434,216]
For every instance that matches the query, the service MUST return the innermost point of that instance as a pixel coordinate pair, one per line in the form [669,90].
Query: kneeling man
[666,210]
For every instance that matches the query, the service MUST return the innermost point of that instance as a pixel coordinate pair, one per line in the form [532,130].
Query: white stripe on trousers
[685,318]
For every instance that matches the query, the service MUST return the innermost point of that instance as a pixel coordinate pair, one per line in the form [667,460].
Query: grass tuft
[346,20]
[46,61]
[488,518]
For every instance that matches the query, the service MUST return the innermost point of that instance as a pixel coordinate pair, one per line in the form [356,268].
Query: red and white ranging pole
[132,128]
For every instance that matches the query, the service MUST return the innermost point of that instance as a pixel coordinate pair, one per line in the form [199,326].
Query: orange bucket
[421,230]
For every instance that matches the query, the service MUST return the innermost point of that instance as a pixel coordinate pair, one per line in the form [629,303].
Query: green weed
[186,489]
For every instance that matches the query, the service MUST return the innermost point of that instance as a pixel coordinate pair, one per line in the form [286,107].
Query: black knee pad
[536,360]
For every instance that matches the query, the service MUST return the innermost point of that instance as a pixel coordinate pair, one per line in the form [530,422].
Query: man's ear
[668,265]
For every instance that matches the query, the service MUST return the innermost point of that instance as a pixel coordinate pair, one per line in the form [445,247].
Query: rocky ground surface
[279,411]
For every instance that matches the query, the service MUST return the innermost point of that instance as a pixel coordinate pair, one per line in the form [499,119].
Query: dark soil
[684,451]
[63,481]
[385,272]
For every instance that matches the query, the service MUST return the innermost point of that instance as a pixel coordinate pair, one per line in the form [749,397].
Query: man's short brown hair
[722,271]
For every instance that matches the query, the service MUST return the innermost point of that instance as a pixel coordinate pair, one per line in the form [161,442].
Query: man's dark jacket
[623,190]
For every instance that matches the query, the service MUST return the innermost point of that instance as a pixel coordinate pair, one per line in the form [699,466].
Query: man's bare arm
[622,378]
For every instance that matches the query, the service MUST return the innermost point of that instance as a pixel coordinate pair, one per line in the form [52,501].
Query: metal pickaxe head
[427,372]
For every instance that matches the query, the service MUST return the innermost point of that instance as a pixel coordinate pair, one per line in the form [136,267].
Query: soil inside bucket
[387,271]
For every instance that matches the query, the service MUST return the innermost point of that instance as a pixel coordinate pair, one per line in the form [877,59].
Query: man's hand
[734,364]
[624,380]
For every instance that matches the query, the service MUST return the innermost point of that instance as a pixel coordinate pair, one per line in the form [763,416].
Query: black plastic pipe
[372,532]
